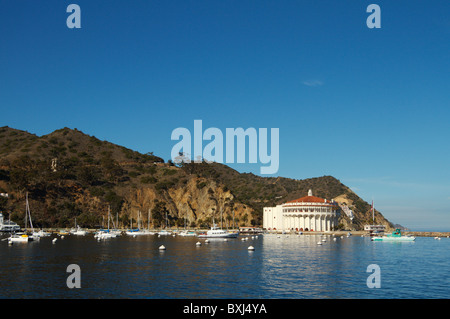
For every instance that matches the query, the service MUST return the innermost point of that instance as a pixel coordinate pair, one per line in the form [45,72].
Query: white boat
[8,225]
[19,238]
[186,233]
[34,235]
[165,232]
[105,234]
[139,232]
[216,232]
[77,230]
[41,233]
[395,236]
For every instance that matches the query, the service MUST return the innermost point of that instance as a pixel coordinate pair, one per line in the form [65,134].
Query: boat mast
[148,219]
[28,212]
[166,220]
[373,214]
[109,207]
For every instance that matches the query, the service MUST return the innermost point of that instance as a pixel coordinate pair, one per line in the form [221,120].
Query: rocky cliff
[69,175]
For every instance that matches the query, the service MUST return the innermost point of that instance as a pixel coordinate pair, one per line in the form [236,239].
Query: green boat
[395,236]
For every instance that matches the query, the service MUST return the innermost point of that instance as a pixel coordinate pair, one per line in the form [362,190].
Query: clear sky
[370,107]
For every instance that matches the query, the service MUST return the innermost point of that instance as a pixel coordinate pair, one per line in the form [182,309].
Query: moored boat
[41,233]
[19,238]
[8,225]
[105,234]
[78,231]
[395,236]
[216,232]
[186,233]
[138,232]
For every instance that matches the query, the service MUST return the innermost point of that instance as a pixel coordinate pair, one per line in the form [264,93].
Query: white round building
[309,213]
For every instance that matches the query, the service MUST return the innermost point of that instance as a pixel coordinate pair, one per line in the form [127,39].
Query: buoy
[225,239]
[319,243]
[198,243]
[62,237]
[251,248]
[162,247]
[54,240]
[206,241]
[334,239]
[134,236]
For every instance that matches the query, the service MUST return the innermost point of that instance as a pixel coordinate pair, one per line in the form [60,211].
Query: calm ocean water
[282,268]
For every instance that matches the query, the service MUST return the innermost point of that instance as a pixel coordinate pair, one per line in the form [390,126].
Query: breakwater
[427,234]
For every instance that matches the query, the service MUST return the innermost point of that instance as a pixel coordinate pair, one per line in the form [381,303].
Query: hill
[69,174]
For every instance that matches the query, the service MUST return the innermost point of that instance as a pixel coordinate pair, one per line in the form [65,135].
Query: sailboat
[77,230]
[106,233]
[138,231]
[185,232]
[23,237]
[165,232]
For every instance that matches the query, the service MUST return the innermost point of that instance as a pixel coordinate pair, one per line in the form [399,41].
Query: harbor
[176,231]
[279,266]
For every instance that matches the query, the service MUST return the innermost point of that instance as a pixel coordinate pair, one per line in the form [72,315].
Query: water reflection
[279,267]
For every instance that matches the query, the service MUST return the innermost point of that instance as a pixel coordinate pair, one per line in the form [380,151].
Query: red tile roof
[308,199]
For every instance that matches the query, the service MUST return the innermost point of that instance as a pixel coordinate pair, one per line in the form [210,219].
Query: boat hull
[79,233]
[393,238]
[187,234]
[223,235]
[19,239]
[139,233]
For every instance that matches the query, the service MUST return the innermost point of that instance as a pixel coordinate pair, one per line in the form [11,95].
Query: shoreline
[279,232]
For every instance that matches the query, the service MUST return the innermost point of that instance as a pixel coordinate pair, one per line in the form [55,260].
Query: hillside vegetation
[69,174]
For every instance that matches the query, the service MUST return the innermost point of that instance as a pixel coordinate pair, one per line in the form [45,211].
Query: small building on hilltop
[308,213]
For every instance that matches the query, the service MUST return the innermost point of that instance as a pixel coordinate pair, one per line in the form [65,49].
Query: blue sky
[368,106]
